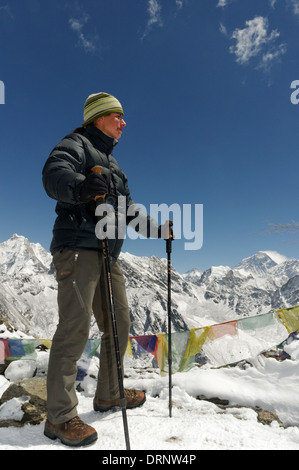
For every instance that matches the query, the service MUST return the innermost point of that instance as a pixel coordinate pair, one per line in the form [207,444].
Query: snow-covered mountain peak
[214,273]
[193,275]
[276,257]
[260,263]
[18,255]
[268,267]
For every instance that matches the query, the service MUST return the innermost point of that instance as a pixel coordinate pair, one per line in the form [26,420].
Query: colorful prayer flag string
[186,345]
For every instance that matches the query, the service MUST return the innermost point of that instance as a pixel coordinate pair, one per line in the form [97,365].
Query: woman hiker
[80,268]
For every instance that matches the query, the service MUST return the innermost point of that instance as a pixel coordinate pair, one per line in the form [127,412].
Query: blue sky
[206,87]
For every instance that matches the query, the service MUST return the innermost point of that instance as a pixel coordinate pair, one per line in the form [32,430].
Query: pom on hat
[98,105]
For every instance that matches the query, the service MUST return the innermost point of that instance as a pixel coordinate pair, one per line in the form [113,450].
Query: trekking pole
[168,251]
[105,245]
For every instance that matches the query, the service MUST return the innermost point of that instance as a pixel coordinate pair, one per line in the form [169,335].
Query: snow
[276,257]
[195,424]
[17,370]
[12,409]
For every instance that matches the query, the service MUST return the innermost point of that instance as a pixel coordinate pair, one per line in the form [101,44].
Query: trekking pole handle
[170,237]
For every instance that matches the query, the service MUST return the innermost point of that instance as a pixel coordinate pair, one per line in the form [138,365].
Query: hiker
[80,267]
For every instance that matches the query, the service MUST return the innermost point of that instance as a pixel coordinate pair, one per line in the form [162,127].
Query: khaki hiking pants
[82,289]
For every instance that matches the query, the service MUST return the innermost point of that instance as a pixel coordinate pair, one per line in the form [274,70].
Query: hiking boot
[134,399]
[73,433]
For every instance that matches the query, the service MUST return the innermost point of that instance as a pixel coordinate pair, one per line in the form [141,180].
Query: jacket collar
[100,140]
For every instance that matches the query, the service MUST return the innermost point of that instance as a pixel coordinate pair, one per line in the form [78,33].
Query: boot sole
[115,407]
[70,442]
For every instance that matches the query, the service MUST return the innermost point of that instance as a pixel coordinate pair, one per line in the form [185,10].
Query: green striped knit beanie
[98,105]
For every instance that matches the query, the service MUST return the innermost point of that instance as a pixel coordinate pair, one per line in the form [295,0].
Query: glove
[165,230]
[93,185]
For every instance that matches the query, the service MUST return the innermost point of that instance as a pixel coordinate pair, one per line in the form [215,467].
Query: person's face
[112,124]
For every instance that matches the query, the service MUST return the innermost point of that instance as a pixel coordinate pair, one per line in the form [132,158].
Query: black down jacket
[64,171]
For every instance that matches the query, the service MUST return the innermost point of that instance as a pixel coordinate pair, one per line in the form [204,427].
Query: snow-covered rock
[20,369]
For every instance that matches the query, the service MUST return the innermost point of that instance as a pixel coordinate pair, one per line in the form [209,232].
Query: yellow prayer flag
[161,352]
[197,339]
[129,351]
[290,318]
[46,342]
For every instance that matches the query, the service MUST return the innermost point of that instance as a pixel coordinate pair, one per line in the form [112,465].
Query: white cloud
[154,12]
[6,10]
[154,9]
[222,3]
[271,55]
[223,29]
[254,40]
[295,6]
[77,26]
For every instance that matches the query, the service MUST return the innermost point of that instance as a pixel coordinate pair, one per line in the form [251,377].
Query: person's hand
[93,185]
[165,230]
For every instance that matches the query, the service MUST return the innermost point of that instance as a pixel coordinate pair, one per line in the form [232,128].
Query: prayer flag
[4,350]
[222,329]
[16,349]
[148,343]
[259,321]
[290,318]
[198,337]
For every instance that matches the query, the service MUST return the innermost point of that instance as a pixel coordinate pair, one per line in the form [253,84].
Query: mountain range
[260,283]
